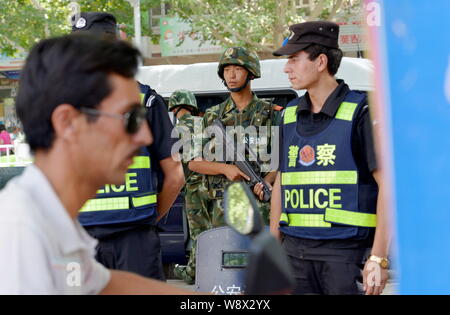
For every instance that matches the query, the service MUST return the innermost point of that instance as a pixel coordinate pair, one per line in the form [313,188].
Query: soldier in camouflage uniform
[237,67]
[189,126]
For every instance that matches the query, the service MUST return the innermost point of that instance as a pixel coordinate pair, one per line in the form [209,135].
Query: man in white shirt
[80,109]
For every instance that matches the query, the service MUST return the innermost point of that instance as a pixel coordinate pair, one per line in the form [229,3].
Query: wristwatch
[383,262]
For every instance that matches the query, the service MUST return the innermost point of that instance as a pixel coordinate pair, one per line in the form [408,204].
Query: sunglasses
[132,119]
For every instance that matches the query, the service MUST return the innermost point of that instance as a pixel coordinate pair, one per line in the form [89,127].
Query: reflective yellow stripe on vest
[351,218]
[346,111]
[305,220]
[290,115]
[144,201]
[142,98]
[105,204]
[140,162]
[117,203]
[319,178]
[331,215]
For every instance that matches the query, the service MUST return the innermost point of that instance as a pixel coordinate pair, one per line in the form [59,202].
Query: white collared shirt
[42,250]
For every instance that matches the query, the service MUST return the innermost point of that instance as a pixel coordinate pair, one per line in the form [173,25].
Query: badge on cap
[291,35]
[81,23]
[229,52]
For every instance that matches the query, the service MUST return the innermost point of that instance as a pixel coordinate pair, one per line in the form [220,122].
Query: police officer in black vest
[123,218]
[326,206]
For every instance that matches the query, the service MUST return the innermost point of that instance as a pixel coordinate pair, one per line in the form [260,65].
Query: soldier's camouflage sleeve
[196,127]
[188,128]
[208,119]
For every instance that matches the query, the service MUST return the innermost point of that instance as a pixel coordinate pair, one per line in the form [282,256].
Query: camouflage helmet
[182,97]
[241,57]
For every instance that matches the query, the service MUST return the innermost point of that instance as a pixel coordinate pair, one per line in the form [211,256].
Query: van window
[279,97]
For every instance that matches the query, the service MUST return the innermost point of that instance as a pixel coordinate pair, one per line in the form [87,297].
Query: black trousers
[333,273]
[136,250]
[326,278]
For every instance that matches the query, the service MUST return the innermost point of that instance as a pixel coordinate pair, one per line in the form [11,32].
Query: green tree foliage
[24,22]
[256,24]
[123,11]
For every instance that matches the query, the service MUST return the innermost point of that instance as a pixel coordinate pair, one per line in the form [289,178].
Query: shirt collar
[332,103]
[71,236]
[230,105]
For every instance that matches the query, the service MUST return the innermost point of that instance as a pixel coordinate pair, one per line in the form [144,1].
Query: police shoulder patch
[81,23]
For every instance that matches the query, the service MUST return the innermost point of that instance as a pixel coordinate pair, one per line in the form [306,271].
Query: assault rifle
[241,160]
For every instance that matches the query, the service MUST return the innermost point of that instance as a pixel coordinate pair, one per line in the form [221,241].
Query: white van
[203,81]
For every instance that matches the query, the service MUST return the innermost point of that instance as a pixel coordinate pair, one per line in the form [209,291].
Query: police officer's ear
[322,63]
[65,119]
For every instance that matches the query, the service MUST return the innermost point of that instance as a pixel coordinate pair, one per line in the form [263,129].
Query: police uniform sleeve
[161,127]
[280,145]
[364,140]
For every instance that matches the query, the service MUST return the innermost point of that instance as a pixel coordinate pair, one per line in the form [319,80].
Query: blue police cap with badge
[95,23]
[304,34]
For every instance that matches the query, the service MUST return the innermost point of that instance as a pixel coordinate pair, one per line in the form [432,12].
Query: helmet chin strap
[188,108]
[238,89]
[178,110]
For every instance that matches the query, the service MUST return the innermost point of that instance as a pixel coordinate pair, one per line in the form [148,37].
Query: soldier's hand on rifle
[258,190]
[233,173]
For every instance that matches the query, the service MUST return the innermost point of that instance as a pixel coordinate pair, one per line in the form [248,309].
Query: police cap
[94,22]
[304,34]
